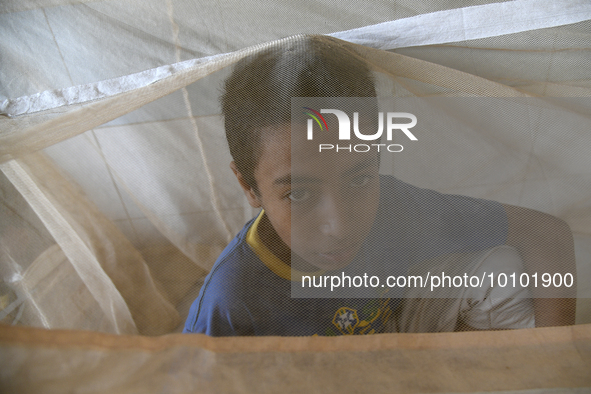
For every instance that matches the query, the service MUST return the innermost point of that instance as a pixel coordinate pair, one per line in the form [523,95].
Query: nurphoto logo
[344,124]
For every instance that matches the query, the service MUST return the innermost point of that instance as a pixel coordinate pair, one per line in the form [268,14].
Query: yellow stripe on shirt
[273,262]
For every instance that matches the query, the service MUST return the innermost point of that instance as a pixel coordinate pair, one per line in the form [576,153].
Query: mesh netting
[118,196]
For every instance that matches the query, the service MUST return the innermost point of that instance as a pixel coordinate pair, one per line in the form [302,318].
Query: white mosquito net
[117,195]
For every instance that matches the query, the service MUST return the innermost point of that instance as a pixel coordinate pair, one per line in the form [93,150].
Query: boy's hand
[546,246]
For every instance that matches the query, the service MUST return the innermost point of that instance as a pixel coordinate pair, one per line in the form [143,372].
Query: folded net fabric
[116,191]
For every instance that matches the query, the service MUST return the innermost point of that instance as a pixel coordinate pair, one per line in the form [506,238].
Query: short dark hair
[258,93]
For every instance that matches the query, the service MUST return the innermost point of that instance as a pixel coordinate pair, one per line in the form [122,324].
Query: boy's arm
[545,244]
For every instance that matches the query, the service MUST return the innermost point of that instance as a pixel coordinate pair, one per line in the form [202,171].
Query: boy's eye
[299,195]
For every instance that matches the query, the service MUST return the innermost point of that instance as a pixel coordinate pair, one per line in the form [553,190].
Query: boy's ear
[253,199]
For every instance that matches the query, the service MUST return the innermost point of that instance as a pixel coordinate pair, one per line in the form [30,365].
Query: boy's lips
[339,255]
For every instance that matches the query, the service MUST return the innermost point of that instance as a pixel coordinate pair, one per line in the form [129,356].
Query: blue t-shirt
[248,291]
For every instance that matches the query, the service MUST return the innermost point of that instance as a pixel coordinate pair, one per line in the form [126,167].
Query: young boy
[330,213]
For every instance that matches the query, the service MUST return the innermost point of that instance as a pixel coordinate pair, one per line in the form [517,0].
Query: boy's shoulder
[244,295]
[416,224]
[237,281]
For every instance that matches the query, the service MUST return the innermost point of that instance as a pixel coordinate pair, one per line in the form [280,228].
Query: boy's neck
[275,244]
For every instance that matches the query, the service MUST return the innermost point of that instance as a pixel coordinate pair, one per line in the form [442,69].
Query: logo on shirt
[374,316]
[346,320]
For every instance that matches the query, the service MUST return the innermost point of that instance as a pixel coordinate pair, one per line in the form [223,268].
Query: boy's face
[321,204]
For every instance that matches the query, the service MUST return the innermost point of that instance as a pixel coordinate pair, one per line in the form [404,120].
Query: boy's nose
[333,218]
